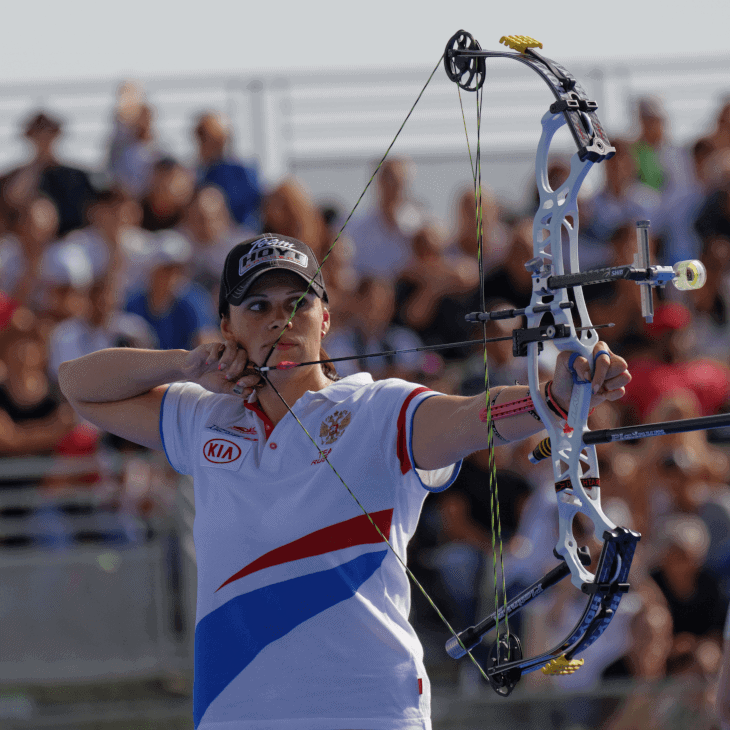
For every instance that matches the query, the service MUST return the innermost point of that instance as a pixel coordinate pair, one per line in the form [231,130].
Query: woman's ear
[325,322]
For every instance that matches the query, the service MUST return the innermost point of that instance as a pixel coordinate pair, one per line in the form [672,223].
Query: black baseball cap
[248,260]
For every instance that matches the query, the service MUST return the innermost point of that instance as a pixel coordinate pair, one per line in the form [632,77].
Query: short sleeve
[433,480]
[184,406]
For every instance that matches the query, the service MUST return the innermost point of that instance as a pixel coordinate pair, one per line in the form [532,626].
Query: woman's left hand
[608,381]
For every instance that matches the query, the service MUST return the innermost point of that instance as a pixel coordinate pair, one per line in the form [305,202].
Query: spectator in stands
[711,304]
[623,200]
[465,520]
[722,699]
[21,251]
[653,655]
[681,206]
[686,467]
[510,280]
[719,138]
[212,233]
[290,211]
[689,475]
[33,414]
[382,236]
[666,363]
[649,647]
[371,330]
[694,600]
[113,240]
[342,278]
[435,292]
[65,276]
[170,192]
[133,149]
[180,312]
[713,219]
[101,325]
[68,187]
[682,701]
[661,165]
[216,166]
[464,243]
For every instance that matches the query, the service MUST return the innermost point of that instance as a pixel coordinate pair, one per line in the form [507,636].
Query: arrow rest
[468,73]
[505,649]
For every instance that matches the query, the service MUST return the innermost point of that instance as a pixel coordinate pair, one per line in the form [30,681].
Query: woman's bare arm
[119,373]
[120,390]
[448,428]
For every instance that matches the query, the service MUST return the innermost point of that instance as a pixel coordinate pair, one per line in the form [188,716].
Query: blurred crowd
[131,254]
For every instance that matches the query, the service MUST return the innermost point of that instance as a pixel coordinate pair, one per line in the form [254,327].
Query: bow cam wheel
[467,72]
[504,651]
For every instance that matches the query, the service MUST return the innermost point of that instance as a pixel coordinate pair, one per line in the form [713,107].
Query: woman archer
[302,611]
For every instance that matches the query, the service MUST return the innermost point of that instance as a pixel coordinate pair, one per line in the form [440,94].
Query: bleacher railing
[315,118]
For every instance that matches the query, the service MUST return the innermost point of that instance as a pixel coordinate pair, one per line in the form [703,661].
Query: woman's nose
[281,319]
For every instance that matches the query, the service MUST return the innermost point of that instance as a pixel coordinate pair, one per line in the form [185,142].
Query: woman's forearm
[519,427]
[119,373]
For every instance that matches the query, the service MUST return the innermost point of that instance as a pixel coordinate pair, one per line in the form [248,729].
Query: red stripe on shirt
[256,408]
[402,438]
[357,531]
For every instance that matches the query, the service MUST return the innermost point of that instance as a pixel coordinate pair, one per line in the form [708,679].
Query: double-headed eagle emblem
[334,426]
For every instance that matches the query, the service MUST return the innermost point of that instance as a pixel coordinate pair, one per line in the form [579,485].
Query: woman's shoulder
[362,385]
[191,394]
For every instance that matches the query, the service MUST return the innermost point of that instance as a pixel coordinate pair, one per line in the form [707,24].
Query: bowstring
[322,455]
[496,522]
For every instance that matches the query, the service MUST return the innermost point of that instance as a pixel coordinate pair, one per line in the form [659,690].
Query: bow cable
[496,522]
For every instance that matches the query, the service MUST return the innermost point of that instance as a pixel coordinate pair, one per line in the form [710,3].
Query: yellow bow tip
[561,665]
[519,42]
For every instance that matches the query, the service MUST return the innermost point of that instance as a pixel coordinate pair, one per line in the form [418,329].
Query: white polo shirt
[302,611]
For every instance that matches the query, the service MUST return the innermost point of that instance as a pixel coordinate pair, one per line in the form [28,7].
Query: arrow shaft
[424,348]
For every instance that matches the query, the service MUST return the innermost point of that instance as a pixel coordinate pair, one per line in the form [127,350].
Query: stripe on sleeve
[402,437]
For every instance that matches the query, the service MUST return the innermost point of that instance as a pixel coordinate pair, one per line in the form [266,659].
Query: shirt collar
[336,392]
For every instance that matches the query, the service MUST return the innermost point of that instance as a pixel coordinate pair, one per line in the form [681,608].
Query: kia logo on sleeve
[221,451]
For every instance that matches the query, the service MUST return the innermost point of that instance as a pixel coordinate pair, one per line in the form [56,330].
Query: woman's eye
[257,306]
[306,302]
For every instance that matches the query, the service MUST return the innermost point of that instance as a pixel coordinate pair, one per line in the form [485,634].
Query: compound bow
[557,302]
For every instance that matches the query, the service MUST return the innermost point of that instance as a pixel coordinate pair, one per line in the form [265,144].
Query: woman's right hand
[221,367]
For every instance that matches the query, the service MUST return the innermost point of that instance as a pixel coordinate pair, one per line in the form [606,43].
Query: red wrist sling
[524,405]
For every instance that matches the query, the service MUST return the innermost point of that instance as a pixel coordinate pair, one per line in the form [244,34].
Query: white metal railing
[86,581]
[306,118]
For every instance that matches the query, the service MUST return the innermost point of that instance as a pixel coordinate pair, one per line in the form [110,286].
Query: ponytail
[328,367]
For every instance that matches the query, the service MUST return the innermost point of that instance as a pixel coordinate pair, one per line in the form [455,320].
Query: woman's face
[257,321]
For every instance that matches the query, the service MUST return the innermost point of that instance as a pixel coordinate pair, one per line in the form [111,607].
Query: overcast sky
[77,39]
